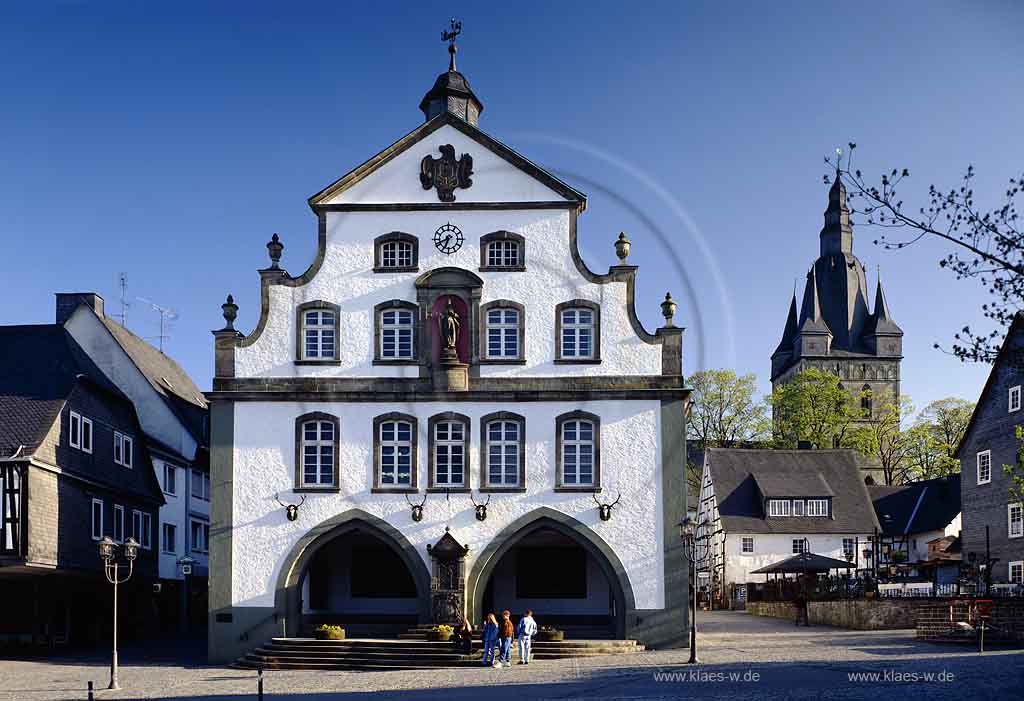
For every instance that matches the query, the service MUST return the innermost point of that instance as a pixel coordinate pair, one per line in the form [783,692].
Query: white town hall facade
[447,364]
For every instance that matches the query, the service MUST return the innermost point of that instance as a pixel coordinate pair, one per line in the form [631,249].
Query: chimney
[68,302]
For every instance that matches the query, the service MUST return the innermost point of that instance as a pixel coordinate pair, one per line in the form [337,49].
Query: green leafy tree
[724,411]
[814,407]
[1016,472]
[884,440]
[935,436]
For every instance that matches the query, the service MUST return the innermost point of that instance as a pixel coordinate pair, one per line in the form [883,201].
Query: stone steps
[380,654]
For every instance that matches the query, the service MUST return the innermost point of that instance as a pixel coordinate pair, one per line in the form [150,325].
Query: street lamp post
[111,567]
[696,548]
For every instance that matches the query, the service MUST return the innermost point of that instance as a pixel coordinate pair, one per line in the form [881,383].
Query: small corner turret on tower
[451,92]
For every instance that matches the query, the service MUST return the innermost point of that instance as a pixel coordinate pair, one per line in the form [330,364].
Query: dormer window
[317,340]
[502,250]
[798,507]
[778,507]
[396,252]
[817,507]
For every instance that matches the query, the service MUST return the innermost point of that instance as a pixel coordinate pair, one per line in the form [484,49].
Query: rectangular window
[147,532]
[396,334]
[118,523]
[747,545]
[577,333]
[86,434]
[798,507]
[200,485]
[449,454]
[200,536]
[97,519]
[817,507]
[502,333]
[985,467]
[503,454]
[170,538]
[503,254]
[849,547]
[395,454]
[396,254]
[778,507]
[799,545]
[578,453]
[1016,571]
[1014,401]
[170,479]
[1014,523]
[318,441]
[137,525]
[75,430]
[318,333]
[122,449]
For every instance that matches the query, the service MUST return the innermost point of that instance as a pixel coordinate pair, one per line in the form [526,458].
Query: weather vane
[449,36]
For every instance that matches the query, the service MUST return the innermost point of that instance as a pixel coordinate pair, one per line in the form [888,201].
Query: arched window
[578,452]
[316,452]
[502,250]
[396,252]
[502,452]
[449,451]
[395,441]
[395,332]
[317,337]
[578,332]
[503,330]
[865,399]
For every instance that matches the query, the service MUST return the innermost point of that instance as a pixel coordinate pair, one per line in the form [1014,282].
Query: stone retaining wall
[1005,622]
[857,614]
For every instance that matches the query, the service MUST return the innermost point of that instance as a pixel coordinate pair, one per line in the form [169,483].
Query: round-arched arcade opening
[566,584]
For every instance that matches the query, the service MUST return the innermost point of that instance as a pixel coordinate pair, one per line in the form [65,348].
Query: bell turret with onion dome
[451,91]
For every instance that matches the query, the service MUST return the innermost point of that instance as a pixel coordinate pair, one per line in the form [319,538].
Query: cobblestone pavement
[742,657]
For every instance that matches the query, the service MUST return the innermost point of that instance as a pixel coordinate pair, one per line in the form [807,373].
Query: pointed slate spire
[811,317]
[786,344]
[837,234]
[883,323]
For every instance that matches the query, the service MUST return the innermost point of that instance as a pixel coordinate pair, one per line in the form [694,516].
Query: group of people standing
[497,638]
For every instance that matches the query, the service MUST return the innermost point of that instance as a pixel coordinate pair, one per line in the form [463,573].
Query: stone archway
[539,520]
[288,595]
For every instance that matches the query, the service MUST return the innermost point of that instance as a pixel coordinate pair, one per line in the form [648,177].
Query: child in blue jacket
[490,639]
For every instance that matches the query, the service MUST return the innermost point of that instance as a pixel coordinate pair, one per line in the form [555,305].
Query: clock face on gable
[448,238]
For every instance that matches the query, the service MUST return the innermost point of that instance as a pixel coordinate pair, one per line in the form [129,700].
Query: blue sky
[170,141]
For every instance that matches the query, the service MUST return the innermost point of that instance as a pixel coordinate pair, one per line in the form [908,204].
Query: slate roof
[918,507]
[41,366]
[740,476]
[168,378]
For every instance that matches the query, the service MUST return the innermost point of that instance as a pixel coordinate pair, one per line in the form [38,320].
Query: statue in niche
[448,323]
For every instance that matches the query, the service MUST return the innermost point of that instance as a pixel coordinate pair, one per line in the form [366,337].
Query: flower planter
[329,634]
[551,636]
[438,637]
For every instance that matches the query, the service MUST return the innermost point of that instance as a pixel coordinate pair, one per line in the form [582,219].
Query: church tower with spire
[835,331]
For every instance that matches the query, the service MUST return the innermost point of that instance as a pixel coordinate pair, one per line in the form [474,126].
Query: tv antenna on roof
[123,316]
[167,315]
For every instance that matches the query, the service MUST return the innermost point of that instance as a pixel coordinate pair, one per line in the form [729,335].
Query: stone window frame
[414,457]
[485,485]
[300,422]
[449,416]
[487,239]
[394,237]
[300,332]
[988,455]
[378,330]
[576,415]
[595,341]
[1019,506]
[520,309]
[743,545]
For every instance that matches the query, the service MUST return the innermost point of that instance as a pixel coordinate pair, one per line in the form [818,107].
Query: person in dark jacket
[490,639]
[505,632]
[464,637]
